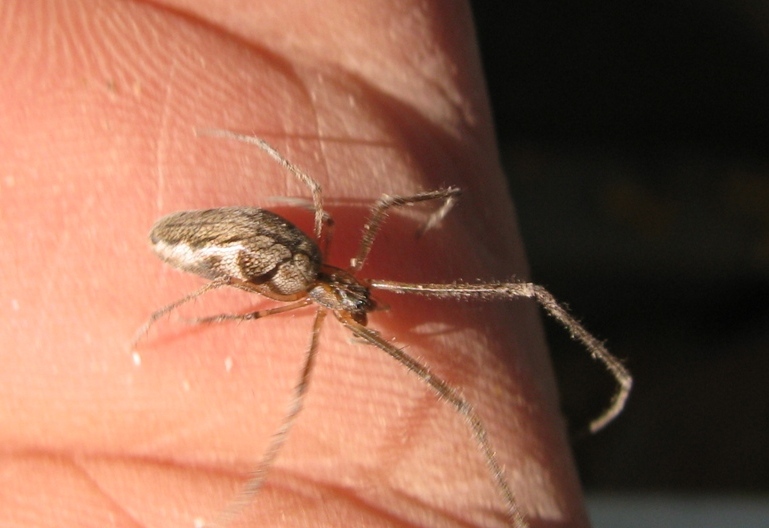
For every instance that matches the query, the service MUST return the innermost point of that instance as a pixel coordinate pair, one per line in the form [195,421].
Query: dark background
[635,135]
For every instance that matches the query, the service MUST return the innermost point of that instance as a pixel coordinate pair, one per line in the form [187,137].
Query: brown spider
[260,252]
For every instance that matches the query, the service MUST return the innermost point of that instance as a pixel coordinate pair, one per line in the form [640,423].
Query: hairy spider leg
[257,477]
[321,217]
[379,212]
[142,331]
[456,400]
[508,290]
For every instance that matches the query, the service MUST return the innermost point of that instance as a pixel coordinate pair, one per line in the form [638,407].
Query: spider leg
[250,316]
[509,290]
[379,213]
[322,218]
[445,392]
[257,477]
[143,329]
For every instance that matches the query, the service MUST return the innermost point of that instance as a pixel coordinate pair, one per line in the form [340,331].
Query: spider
[260,252]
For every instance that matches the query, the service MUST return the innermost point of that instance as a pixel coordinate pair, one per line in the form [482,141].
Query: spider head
[338,290]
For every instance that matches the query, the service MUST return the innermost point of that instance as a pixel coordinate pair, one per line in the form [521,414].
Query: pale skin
[100,102]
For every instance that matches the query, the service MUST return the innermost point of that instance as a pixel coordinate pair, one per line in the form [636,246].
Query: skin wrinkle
[396,59]
[161,144]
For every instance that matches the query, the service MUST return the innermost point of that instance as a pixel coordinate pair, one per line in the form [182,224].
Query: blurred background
[635,134]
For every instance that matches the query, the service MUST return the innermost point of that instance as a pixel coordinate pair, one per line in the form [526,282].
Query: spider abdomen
[246,244]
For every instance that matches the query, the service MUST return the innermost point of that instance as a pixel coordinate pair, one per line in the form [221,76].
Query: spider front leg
[512,290]
[379,213]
